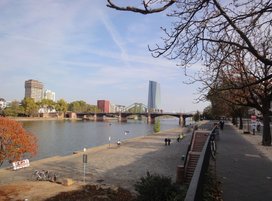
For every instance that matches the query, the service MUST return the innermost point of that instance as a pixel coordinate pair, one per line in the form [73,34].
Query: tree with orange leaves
[15,141]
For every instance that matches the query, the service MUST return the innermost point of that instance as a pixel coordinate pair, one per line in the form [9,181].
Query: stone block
[67,182]
[180,174]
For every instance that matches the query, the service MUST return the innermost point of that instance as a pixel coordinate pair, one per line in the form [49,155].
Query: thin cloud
[115,36]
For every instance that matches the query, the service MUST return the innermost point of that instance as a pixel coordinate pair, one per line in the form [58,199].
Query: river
[64,137]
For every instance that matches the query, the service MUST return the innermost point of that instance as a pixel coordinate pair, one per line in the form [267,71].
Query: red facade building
[103,105]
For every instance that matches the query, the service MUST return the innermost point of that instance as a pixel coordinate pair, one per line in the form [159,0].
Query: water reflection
[65,137]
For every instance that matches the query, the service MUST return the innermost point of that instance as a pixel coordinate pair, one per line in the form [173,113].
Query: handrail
[194,192]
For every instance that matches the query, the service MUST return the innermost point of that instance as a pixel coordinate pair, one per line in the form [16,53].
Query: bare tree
[200,27]
[221,106]
[148,6]
[233,41]
[233,86]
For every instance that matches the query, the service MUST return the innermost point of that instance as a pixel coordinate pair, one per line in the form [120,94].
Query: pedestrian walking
[165,141]
[178,139]
[180,136]
[253,126]
[258,125]
[168,141]
[221,123]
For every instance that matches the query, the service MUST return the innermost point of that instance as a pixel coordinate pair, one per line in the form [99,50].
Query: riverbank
[108,165]
[63,137]
[56,119]
[39,118]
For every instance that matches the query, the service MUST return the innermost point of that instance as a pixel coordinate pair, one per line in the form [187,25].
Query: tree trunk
[266,130]
[241,123]
[234,121]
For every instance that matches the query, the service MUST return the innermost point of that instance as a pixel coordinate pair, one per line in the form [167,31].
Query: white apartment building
[117,108]
[3,103]
[50,95]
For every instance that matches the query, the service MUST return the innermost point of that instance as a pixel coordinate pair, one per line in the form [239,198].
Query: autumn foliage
[15,141]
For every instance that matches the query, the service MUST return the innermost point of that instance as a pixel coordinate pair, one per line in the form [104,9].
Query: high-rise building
[50,95]
[103,105]
[3,103]
[34,89]
[154,96]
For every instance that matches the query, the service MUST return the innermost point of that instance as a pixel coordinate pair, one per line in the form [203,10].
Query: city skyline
[89,52]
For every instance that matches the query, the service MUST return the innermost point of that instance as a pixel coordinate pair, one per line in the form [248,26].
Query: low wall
[194,192]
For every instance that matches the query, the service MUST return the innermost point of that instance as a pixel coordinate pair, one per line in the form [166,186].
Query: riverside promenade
[107,165]
[243,166]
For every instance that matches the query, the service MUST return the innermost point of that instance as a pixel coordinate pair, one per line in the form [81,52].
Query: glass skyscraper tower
[154,96]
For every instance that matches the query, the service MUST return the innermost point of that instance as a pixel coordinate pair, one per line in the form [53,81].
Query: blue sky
[83,50]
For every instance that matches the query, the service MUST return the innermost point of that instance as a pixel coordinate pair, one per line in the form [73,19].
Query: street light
[85,159]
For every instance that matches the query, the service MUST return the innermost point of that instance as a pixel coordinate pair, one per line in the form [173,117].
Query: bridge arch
[122,116]
[152,116]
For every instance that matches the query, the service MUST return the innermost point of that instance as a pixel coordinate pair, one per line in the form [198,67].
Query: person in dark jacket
[165,141]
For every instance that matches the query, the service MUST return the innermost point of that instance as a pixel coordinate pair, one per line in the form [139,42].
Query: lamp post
[85,159]
[109,141]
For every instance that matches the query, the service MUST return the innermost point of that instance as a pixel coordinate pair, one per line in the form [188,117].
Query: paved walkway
[245,173]
[118,166]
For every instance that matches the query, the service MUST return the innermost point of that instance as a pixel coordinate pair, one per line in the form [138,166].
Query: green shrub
[155,188]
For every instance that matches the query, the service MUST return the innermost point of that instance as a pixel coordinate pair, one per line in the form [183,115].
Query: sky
[83,50]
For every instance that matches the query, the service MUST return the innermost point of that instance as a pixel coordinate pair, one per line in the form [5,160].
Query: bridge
[123,116]
[136,107]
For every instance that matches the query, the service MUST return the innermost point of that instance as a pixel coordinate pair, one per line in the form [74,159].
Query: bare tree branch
[211,32]
[146,10]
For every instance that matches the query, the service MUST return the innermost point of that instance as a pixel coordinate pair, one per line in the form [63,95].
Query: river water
[64,137]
